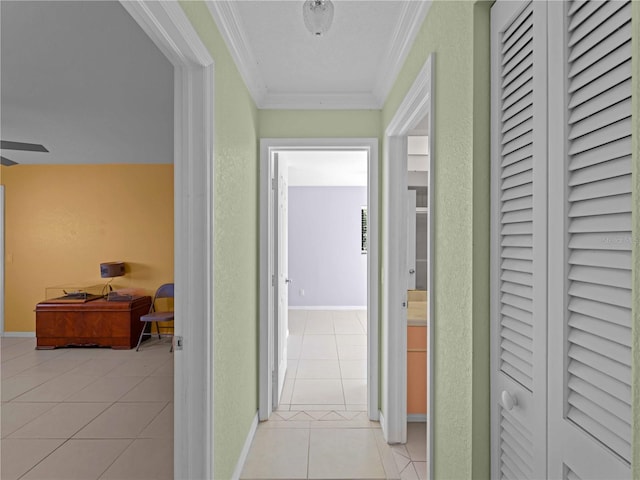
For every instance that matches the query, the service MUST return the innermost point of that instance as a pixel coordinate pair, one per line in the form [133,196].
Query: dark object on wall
[111,269]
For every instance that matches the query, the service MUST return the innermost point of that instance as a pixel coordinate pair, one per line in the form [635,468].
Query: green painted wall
[319,123]
[458,34]
[236,249]
[635,306]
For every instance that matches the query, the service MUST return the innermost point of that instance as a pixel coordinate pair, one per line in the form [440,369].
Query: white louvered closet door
[590,241]
[519,236]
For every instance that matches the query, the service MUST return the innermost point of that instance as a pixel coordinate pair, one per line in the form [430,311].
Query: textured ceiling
[352,66]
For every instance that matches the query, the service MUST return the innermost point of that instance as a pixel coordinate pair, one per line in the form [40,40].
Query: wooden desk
[98,322]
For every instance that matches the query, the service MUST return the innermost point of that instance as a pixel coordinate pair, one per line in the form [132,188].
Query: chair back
[164,291]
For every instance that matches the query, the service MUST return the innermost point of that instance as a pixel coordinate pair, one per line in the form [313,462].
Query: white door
[281,327]
[411,240]
[519,236]
[590,242]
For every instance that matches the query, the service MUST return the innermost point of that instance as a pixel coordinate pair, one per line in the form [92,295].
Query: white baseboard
[19,334]
[245,449]
[329,307]
[383,426]
[417,417]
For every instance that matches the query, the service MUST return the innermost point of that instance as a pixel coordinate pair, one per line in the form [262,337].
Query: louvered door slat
[601,276]
[603,188]
[517,265]
[518,117]
[517,107]
[602,153]
[615,94]
[597,422]
[517,320]
[517,277]
[518,209]
[601,293]
[587,390]
[608,18]
[606,348]
[601,206]
[598,328]
[614,131]
[601,85]
[586,10]
[609,169]
[612,314]
[617,222]
[617,57]
[601,119]
[517,155]
[515,337]
[520,228]
[618,390]
[604,47]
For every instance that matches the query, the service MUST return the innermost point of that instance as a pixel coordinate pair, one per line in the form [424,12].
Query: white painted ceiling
[336,168]
[84,80]
[353,65]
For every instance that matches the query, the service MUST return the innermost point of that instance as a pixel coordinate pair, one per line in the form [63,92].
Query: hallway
[321,429]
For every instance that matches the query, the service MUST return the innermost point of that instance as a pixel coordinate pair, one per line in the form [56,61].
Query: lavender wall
[324,246]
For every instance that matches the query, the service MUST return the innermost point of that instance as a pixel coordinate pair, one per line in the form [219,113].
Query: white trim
[407,28]
[394,316]
[417,103]
[267,146]
[321,307]
[170,29]
[19,334]
[229,23]
[383,421]
[245,449]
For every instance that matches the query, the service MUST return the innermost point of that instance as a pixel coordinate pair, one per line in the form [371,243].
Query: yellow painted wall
[62,221]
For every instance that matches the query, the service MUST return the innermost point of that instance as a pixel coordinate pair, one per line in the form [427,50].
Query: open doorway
[324,260]
[331,318]
[408,320]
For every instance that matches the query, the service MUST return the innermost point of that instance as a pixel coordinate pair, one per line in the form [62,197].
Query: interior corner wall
[62,221]
[326,263]
[235,248]
[457,33]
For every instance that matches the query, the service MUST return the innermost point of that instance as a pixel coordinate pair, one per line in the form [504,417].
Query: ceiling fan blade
[27,147]
[6,162]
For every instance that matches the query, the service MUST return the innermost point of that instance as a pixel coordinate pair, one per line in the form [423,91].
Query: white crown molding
[407,28]
[415,104]
[227,18]
[320,101]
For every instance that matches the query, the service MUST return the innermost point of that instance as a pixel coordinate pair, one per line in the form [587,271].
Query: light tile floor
[321,429]
[95,413]
[86,413]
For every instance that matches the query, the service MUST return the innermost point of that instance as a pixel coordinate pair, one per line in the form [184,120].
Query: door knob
[288,280]
[412,271]
[509,401]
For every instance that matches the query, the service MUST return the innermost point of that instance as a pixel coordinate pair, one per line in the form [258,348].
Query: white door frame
[267,147]
[172,32]
[416,105]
